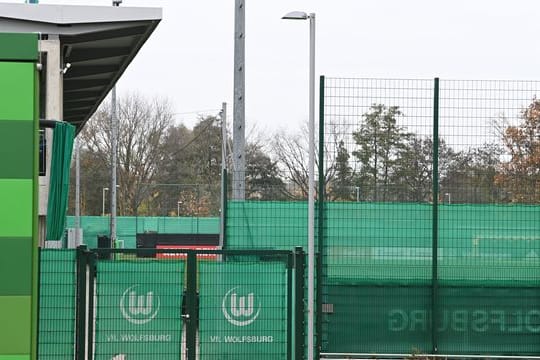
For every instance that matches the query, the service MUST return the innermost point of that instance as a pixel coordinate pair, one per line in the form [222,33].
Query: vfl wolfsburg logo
[139,308]
[240,310]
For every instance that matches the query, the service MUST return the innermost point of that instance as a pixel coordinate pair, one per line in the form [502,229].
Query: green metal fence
[429,224]
[57,298]
[129,226]
[171,304]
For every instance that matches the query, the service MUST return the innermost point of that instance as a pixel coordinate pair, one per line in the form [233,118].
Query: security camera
[116,2]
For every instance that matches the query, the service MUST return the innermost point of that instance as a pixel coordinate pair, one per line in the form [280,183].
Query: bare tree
[142,126]
[291,152]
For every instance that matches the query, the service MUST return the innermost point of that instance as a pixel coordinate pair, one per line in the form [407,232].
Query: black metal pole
[435,219]
[299,288]
[191,302]
[80,332]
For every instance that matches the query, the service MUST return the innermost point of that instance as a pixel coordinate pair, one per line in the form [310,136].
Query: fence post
[191,304]
[80,330]
[435,219]
[299,334]
[92,258]
[290,266]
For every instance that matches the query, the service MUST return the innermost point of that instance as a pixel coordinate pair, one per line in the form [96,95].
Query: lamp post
[103,200]
[114,145]
[299,15]
[178,208]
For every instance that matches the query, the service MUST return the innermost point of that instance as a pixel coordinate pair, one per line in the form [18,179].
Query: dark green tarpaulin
[64,134]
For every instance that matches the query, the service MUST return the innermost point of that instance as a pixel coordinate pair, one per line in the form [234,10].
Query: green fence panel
[57,297]
[273,225]
[489,244]
[430,231]
[379,319]
[487,320]
[397,319]
[129,226]
[243,310]
[138,309]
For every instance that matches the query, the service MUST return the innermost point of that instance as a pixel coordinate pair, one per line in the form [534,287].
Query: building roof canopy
[98,42]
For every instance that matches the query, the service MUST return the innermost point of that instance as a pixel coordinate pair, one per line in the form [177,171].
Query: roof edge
[78,14]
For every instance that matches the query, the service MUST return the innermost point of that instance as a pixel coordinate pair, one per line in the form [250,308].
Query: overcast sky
[189,58]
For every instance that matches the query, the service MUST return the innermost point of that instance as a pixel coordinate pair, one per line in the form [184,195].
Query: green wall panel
[18,193]
[17,150]
[17,91]
[18,46]
[15,269]
[16,210]
[15,319]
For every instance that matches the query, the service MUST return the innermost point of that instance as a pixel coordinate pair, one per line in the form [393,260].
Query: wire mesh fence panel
[57,296]
[489,228]
[138,309]
[129,226]
[269,225]
[377,221]
[243,310]
[430,231]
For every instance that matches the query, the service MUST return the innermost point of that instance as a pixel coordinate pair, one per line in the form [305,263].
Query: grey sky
[189,58]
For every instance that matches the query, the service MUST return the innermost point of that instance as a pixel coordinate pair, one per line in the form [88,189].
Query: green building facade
[18,194]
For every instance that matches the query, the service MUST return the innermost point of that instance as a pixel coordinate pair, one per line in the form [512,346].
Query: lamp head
[296,15]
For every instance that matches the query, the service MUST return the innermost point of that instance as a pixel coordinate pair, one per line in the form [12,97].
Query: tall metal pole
[114,140]
[311,191]
[223,116]
[239,164]
[112,188]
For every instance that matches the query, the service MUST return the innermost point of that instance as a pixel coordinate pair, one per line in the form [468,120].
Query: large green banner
[138,310]
[243,310]
[468,320]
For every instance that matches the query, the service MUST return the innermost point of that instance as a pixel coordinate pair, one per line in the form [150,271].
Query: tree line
[167,169]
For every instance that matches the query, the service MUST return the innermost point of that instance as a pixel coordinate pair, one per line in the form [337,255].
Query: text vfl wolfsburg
[139,338]
[242,339]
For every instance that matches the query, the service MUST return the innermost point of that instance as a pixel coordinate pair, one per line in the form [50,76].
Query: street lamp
[103,200]
[178,208]
[300,15]
[449,197]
